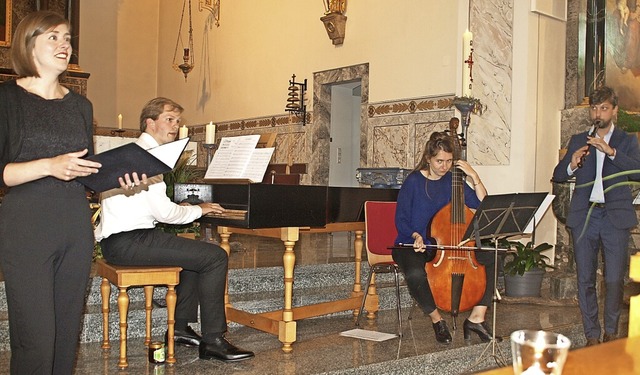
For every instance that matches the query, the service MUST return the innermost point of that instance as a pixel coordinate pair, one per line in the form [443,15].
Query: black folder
[131,158]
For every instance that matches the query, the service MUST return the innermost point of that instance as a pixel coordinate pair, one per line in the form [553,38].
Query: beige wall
[243,67]
[119,45]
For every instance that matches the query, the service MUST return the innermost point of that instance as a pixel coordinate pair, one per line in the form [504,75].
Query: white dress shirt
[597,192]
[126,210]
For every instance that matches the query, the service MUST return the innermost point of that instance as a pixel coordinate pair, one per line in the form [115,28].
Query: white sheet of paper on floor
[368,335]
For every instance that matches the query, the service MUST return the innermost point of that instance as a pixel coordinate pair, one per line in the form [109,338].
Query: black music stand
[501,216]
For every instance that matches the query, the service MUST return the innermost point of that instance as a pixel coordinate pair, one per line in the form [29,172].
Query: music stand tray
[504,215]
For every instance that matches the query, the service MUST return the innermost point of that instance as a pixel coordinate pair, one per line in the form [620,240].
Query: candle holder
[211,147]
[119,132]
[466,106]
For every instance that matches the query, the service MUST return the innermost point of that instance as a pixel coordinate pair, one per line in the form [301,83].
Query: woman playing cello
[424,192]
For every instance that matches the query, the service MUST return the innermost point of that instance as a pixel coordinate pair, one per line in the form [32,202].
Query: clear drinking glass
[538,352]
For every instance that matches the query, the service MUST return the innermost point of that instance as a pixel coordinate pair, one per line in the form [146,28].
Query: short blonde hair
[154,108]
[24,40]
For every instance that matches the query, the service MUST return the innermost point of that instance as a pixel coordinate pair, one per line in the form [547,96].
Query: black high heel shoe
[481,329]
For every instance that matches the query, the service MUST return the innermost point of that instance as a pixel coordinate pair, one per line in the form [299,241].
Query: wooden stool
[128,276]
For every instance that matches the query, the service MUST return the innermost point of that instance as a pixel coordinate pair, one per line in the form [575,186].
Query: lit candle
[467,48]
[120,121]
[210,134]
[184,132]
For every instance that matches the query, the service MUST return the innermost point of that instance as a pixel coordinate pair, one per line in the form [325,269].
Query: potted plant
[183,172]
[524,268]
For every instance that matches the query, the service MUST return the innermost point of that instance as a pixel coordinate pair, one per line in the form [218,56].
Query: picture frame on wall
[5,23]
[622,52]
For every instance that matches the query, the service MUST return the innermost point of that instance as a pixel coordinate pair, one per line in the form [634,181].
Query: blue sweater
[420,199]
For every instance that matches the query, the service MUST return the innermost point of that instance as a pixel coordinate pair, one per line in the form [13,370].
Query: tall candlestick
[210,134]
[120,121]
[184,132]
[467,62]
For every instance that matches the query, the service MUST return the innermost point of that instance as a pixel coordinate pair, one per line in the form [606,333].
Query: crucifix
[469,62]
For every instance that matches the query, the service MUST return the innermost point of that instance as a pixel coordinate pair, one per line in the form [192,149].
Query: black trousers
[413,264]
[46,245]
[202,280]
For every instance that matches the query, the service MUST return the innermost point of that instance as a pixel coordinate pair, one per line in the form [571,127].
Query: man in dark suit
[601,210]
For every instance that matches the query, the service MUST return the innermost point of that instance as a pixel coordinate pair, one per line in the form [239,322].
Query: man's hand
[208,208]
[129,182]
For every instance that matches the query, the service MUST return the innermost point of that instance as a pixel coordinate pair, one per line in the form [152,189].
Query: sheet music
[258,164]
[169,153]
[368,335]
[238,158]
[539,213]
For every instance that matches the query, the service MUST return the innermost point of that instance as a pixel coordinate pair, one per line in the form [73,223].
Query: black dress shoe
[609,337]
[223,350]
[481,329]
[188,337]
[592,341]
[442,332]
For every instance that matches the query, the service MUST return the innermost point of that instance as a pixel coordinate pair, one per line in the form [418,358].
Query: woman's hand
[66,167]
[418,243]
[467,169]
[478,186]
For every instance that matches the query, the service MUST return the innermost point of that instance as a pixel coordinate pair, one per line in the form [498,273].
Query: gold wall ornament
[213,6]
[335,6]
[187,52]
[335,24]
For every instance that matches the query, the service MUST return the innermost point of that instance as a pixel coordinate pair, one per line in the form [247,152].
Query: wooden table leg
[358,245]
[287,326]
[225,234]
[105,292]
[171,312]
[123,307]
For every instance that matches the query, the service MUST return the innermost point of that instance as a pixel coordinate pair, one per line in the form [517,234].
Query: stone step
[253,290]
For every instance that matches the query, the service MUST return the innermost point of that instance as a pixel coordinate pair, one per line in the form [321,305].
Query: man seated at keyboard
[128,236]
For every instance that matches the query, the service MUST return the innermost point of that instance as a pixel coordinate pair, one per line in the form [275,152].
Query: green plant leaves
[524,257]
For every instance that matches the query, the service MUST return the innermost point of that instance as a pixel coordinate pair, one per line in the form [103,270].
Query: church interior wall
[412,50]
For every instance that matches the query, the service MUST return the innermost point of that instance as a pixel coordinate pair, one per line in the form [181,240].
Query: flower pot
[527,285]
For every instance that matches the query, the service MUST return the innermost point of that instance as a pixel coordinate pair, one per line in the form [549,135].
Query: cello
[456,279]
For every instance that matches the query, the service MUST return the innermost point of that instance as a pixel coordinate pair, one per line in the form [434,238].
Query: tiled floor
[321,349]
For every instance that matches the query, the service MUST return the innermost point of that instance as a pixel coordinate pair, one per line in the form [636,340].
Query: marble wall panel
[490,134]
[319,132]
[398,140]
[574,76]
[290,148]
[423,132]
[389,145]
